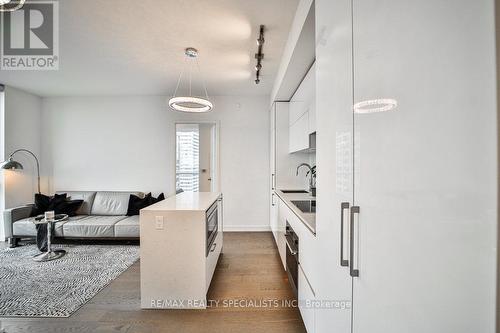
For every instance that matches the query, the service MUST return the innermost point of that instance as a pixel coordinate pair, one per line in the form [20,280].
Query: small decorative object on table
[49,219]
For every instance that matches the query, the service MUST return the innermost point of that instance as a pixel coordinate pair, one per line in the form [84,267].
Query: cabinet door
[312,116]
[282,219]
[299,134]
[272,150]
[286,164]
[272,167]
[306,299]
[334,160]
[274,216]
[301,100]
[426,172]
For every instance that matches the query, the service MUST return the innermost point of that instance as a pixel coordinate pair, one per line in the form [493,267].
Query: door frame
[216,152]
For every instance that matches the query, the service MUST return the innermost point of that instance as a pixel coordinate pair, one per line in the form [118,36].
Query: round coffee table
[50,254]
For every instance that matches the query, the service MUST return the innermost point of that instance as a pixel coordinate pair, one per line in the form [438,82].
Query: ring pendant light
[191,104]
[11,5]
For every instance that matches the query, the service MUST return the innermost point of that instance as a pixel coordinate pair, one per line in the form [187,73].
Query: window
[188,157]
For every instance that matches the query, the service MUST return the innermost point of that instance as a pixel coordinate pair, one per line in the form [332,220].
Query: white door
[334,161]
[426,172]
[206,152]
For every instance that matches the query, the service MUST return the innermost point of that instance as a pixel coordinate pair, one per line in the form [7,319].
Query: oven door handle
[292,251]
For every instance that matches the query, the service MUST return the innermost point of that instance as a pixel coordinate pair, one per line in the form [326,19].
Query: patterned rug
[60,287]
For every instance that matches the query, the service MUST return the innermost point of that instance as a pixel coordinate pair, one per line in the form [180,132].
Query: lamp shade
[10,164]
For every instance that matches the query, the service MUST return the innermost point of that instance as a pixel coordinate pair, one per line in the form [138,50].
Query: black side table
[50,254]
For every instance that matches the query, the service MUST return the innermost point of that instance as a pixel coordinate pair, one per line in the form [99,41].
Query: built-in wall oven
[292,256]
[212,221]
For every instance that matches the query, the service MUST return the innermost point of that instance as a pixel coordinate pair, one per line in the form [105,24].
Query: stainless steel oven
[212,221]
[292,257]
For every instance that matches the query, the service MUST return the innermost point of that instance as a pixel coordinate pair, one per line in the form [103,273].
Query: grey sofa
[103,215]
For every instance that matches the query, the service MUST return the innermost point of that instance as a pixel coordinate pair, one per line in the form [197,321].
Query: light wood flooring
[250,268]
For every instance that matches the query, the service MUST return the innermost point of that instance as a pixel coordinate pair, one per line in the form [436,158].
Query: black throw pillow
[45,203]
[68,207]
[153,200]
[56,201]
[135,204]
[59,203]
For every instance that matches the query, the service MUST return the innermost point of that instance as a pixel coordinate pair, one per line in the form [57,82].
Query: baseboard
[247,228]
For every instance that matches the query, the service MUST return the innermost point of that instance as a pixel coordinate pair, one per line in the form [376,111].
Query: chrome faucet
[311,178]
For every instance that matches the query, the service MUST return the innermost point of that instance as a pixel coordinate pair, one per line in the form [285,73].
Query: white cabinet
[424,240]
[281,241]
[307,272]
[212,258]
[297,110]
[312,116]
[274,215]
[282,164]
[302,120]
[299,134]
[306,298]
[282,167]
[334,161]
[427,177]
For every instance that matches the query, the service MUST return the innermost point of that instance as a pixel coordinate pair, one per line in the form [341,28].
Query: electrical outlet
[159,223]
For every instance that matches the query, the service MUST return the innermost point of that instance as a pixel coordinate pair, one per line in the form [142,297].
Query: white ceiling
[122,47]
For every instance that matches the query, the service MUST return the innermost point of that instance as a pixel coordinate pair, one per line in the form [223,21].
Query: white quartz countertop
[188,201]
[309,219]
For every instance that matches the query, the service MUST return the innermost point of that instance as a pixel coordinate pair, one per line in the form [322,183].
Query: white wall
[21,128]
[128,143]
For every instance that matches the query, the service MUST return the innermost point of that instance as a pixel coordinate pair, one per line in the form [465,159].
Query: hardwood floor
[250,269]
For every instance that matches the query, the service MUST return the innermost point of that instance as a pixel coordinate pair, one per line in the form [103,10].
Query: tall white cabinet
[334,160]
[416,187]
[282,164]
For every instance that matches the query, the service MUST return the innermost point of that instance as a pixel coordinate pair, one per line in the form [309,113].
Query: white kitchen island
[177,259]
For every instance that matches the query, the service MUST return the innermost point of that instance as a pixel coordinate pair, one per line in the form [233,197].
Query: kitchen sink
[294,191]
[305,206]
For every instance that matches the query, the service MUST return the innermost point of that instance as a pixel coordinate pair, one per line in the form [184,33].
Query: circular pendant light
[375,105]
[191,104]
[11,5]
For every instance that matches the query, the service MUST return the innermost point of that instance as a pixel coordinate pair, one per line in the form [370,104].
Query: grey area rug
[60,287]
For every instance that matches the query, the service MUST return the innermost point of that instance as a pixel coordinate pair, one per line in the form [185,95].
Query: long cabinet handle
[272,199]
[354,272]
[343,207]
[273,181]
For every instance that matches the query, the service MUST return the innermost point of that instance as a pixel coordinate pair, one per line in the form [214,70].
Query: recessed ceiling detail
[130,47]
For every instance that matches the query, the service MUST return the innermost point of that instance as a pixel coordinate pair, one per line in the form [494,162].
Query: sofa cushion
[87,197]
[59,227]
[128,227]
[112,203]
[92,227]
[26,227]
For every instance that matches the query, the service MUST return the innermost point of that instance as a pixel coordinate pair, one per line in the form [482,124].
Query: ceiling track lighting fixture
[192,104]
[11,5]
[259,55]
